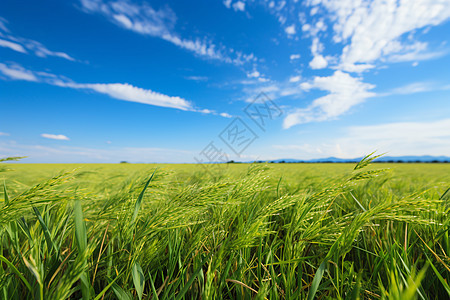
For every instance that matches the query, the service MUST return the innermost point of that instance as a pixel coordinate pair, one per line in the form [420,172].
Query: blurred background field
[403,177]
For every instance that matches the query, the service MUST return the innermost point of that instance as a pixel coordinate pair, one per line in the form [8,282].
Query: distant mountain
[423,158]
[317,160]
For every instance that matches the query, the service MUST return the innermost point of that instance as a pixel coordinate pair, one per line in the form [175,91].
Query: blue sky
[186,81]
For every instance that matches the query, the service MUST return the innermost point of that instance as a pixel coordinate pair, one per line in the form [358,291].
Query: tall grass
[166,235]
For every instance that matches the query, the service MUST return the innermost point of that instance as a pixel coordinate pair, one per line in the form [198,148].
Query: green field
[237,231]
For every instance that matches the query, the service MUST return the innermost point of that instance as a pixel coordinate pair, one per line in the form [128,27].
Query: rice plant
[255,232]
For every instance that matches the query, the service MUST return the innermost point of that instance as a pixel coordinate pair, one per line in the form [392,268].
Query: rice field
[236,231]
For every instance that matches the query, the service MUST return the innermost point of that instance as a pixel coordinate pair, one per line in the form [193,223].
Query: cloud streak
[160,23]
[24,45]
[120,91]
[17,72]
[59,137]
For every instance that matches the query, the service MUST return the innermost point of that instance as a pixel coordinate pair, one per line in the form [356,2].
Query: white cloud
[121,91]
[375,29]
[226,115]
[4,133]
[290,30]
[318,62]
[17,72]
[128,92]
[144,19]
[239,6]
[227,3]
[254,74]
[345,92]
[55,136]
[294,56]
[295,79]
[206,111]
[12,46]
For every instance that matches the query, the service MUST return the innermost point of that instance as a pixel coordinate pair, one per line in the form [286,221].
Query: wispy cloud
[345,92]
[4,134]
[42,51]
[3,23]
[60,137]
[17,72]
[416,87]
[146,20]
[24,45]
[12,46]
[120,91]
[197,78]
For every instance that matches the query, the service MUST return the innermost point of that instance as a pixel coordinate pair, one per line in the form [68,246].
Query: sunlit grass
[246,231]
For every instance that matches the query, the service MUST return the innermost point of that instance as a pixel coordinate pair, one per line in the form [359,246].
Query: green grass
[276,231]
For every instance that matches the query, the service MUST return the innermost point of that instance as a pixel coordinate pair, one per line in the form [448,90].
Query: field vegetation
[236,231]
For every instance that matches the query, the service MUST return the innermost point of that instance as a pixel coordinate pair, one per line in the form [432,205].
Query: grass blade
[81,240]
[317,278]
[191,280]
[14,269]
[137,205]
[138,279]
[367,160]
[48,238]
[5,194]
[120,293]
